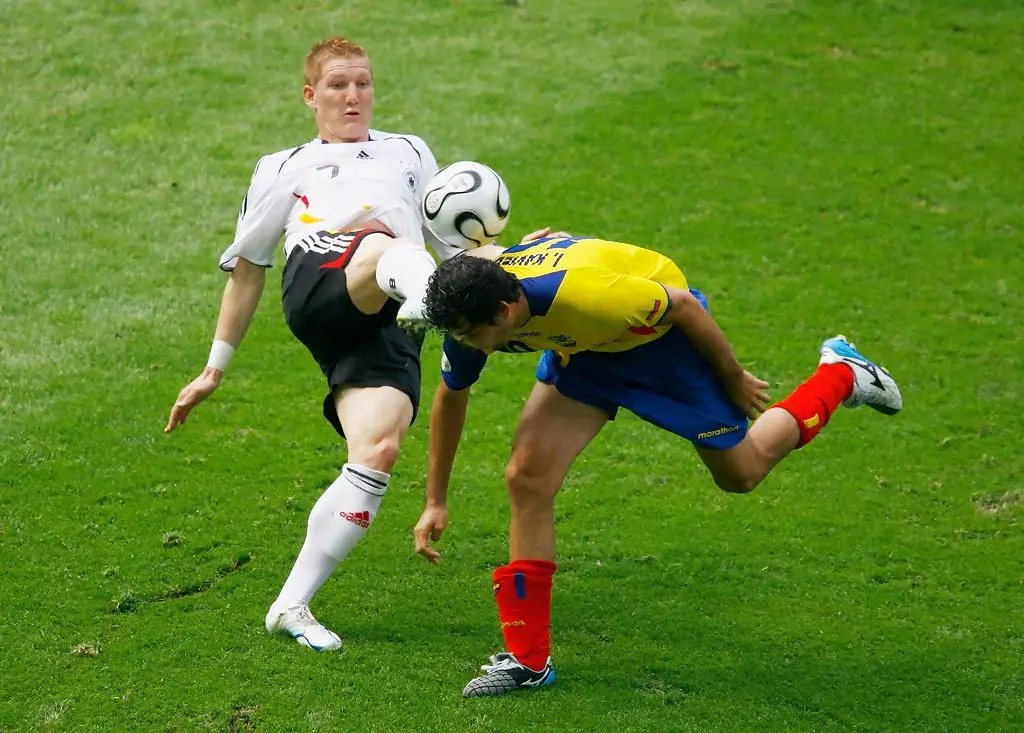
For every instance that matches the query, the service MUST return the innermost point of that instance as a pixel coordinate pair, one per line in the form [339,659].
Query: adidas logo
[870,368]
[363,154]
[359,518]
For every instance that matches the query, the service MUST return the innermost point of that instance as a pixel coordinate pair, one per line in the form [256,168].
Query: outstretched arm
[447,418]
[241,296]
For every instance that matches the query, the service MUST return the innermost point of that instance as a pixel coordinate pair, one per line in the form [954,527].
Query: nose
[351,94]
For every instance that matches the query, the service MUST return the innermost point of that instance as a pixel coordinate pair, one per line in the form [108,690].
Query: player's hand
[430,527]
[540,233]
[195,392]
[749,393]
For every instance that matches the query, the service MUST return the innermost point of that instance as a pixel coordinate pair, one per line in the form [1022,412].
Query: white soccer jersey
[320,187]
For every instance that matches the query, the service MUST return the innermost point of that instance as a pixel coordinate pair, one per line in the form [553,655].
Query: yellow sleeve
[613,302]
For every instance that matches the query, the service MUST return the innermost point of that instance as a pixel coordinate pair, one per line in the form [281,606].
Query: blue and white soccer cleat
[298,623]
[872,385]
[504,674]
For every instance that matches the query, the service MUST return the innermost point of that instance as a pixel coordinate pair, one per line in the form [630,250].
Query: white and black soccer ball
[466,204]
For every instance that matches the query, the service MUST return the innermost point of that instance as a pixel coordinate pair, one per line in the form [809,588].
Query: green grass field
[813,166]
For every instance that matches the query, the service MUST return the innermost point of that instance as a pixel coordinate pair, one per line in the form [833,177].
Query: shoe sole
[546,681]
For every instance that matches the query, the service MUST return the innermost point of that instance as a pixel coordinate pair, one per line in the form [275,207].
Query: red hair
[333,48]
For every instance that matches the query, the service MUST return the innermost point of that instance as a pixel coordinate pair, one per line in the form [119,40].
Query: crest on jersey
[410,180]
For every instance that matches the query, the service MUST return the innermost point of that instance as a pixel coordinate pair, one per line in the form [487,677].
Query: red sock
[523,592]
[814,401]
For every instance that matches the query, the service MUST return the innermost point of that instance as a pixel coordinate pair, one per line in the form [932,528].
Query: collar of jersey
[321,141]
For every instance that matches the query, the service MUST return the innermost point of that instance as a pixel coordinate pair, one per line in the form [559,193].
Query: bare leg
[375,420]
[741,468]
[552,431]
[789,424]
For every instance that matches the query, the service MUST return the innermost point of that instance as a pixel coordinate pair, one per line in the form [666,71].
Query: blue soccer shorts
[665,382]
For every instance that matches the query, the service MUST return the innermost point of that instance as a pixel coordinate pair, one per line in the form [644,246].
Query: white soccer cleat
[872,385]
[410,316]
[298,623]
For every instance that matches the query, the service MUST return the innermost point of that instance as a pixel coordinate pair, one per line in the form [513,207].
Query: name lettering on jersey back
[531,260]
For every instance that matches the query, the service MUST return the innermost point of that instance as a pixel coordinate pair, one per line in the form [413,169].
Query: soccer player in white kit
[347,203]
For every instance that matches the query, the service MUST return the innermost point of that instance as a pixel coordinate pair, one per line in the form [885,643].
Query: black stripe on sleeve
[292,155]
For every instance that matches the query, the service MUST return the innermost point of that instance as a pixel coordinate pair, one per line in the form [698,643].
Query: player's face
[490,336]
[343,100]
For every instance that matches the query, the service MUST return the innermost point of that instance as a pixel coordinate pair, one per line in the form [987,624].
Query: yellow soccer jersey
[590,294]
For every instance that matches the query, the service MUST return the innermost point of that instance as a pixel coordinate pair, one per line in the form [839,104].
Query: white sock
[403,270]
[338,521]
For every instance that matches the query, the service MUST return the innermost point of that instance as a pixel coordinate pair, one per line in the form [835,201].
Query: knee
[737,483]
[381,455]
[528,483]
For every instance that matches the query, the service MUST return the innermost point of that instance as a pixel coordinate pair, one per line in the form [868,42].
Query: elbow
[684,306]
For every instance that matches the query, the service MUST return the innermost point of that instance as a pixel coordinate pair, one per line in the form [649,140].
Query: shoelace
[303,614]
[506,662]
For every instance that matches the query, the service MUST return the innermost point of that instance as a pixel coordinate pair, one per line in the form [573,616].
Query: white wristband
[220,355]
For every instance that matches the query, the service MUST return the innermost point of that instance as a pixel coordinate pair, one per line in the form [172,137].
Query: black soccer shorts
[353,349]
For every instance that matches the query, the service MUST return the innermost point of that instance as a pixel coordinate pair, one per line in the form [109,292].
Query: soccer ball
[466,204]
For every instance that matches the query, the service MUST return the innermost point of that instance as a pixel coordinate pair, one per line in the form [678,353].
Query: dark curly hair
[468,291]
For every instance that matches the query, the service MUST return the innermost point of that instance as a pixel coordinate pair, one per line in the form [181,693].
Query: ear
[309,95]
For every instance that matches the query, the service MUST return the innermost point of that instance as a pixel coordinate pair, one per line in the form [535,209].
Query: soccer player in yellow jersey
[618,326]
